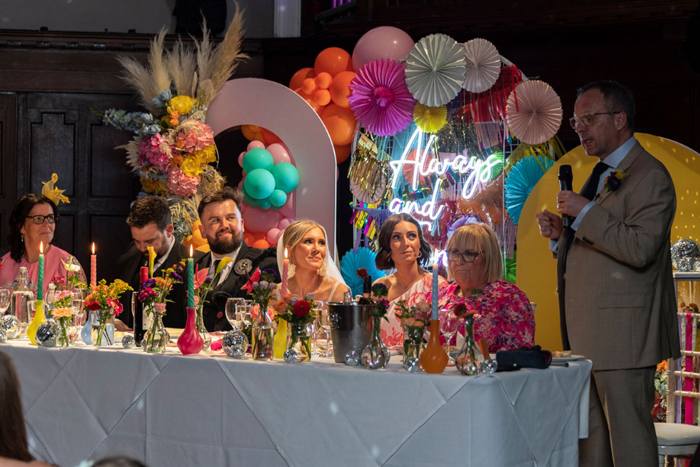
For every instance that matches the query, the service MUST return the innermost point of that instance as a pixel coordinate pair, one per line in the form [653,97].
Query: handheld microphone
[565,180]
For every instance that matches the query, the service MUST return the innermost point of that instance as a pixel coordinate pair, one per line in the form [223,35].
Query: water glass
[231,311]
[448,327]
[5,299]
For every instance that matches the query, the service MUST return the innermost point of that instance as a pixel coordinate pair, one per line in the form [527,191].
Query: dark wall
[50,83]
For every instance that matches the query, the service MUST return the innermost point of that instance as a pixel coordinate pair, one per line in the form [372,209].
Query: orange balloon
[322,97]
[323,80]
[340,88]
[308,86]
[270,137]
[262,244]
[302,93]
[248,238]
[317,108]
[340,123]
[342,153]
[332,60]
[300,76]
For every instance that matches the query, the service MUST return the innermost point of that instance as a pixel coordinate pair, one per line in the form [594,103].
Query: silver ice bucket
[351,328]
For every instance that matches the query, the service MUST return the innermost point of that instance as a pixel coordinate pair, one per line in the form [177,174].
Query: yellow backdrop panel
[537,269]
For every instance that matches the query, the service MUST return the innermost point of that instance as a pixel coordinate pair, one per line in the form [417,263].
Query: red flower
[362,273]
[248,287]
[92,305]
[301,308]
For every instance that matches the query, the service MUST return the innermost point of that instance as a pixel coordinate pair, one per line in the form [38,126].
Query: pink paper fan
[534,112]
[380,99]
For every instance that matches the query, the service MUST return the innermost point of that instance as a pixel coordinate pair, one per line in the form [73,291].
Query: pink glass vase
[190,340]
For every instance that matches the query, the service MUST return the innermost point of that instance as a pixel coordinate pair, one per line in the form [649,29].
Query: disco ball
[47,334]
[235,344]
[10,325]
[684,254]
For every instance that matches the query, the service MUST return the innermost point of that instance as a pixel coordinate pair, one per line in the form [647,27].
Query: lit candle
[40,274]
[93,267]
[190,280]
[285,273]
[151,260]
[434,312]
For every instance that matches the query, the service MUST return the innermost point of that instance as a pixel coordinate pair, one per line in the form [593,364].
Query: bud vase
[156,339]
[190,341]
[262,336]
[469,358]
[206,338]
[412,343]
[434,358]
[299,341]
[102,327]
[39,318]
[376,355]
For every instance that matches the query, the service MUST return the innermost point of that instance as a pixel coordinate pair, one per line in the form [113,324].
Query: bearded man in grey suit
[617,300]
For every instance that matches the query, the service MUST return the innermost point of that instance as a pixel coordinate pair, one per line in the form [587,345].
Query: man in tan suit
[615,274]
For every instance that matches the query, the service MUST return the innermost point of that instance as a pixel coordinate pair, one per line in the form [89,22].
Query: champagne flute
[231,308]
[448,328]
[5,298]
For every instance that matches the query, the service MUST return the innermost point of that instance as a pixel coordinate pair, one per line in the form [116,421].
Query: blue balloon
[259,184]
[286,176]
[257,158]
[277,198]
[264,203]
[252,202]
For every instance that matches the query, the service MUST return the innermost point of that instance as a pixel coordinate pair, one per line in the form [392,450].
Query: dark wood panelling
[8,178]
[112,239]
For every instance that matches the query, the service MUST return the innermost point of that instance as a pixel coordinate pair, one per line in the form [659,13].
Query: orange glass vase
[434,358]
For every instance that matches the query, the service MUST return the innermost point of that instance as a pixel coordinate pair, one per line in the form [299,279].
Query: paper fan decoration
[483,65]
[371,193]
[352,261]
[430,119]
[380,99]
[533,112]
[521,179]
[435,70]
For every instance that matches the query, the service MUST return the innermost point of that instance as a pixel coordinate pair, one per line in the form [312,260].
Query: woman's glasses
[40,219]
[467,256]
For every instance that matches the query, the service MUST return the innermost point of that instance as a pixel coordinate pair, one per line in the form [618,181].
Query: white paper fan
[435,70]
[483,65]
[534,112]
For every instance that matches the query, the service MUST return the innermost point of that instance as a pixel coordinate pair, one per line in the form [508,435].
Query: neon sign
[478,170]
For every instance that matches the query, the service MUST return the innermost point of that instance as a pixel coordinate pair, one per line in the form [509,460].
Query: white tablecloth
[169,410]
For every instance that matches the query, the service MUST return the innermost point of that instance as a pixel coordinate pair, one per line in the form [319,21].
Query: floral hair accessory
[614,180]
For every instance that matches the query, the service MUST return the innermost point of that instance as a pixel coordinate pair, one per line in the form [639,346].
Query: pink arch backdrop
[253,101]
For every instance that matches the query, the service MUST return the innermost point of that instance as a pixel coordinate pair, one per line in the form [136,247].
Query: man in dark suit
[616,282]
[151,225]
[222,226]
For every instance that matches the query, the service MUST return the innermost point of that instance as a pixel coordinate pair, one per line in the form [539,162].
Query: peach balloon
[300,76]
[255,144]
[279,153]
[332,60]
[340,88]
[322,97]
[323,80]
[340,123]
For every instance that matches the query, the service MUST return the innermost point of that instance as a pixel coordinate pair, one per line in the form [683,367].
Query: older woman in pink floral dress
[504,315]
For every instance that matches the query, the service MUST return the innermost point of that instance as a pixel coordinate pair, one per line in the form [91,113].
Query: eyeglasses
[40,219]
[467,256]
[588,119]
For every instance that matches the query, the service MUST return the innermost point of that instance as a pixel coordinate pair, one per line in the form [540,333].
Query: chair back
[683,377]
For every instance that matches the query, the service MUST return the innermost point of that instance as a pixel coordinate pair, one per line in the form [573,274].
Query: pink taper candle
[285,273]
[93,267]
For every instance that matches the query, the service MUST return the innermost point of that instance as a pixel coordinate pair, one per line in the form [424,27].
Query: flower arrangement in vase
[469,359]
[260,287]
[299,314]
[104,301]
[153,297]
[376,355]
[413,319]
[202,285]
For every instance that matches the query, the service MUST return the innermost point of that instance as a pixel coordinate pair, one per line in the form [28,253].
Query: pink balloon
[289,209]
[240,158]
[273,235]
[244,206]
[261,220]
[255,144]
[279,153]
[382,42]
[284,223]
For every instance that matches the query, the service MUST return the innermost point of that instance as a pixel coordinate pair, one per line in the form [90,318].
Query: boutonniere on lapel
[614,180]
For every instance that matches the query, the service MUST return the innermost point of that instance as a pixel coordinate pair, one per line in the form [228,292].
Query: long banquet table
[209,410]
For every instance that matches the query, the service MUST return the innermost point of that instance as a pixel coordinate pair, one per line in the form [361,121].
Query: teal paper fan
[521,179]
[352,261]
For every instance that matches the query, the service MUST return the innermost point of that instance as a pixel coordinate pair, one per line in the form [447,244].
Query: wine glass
[231,311]
[5,298]
[448,328]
